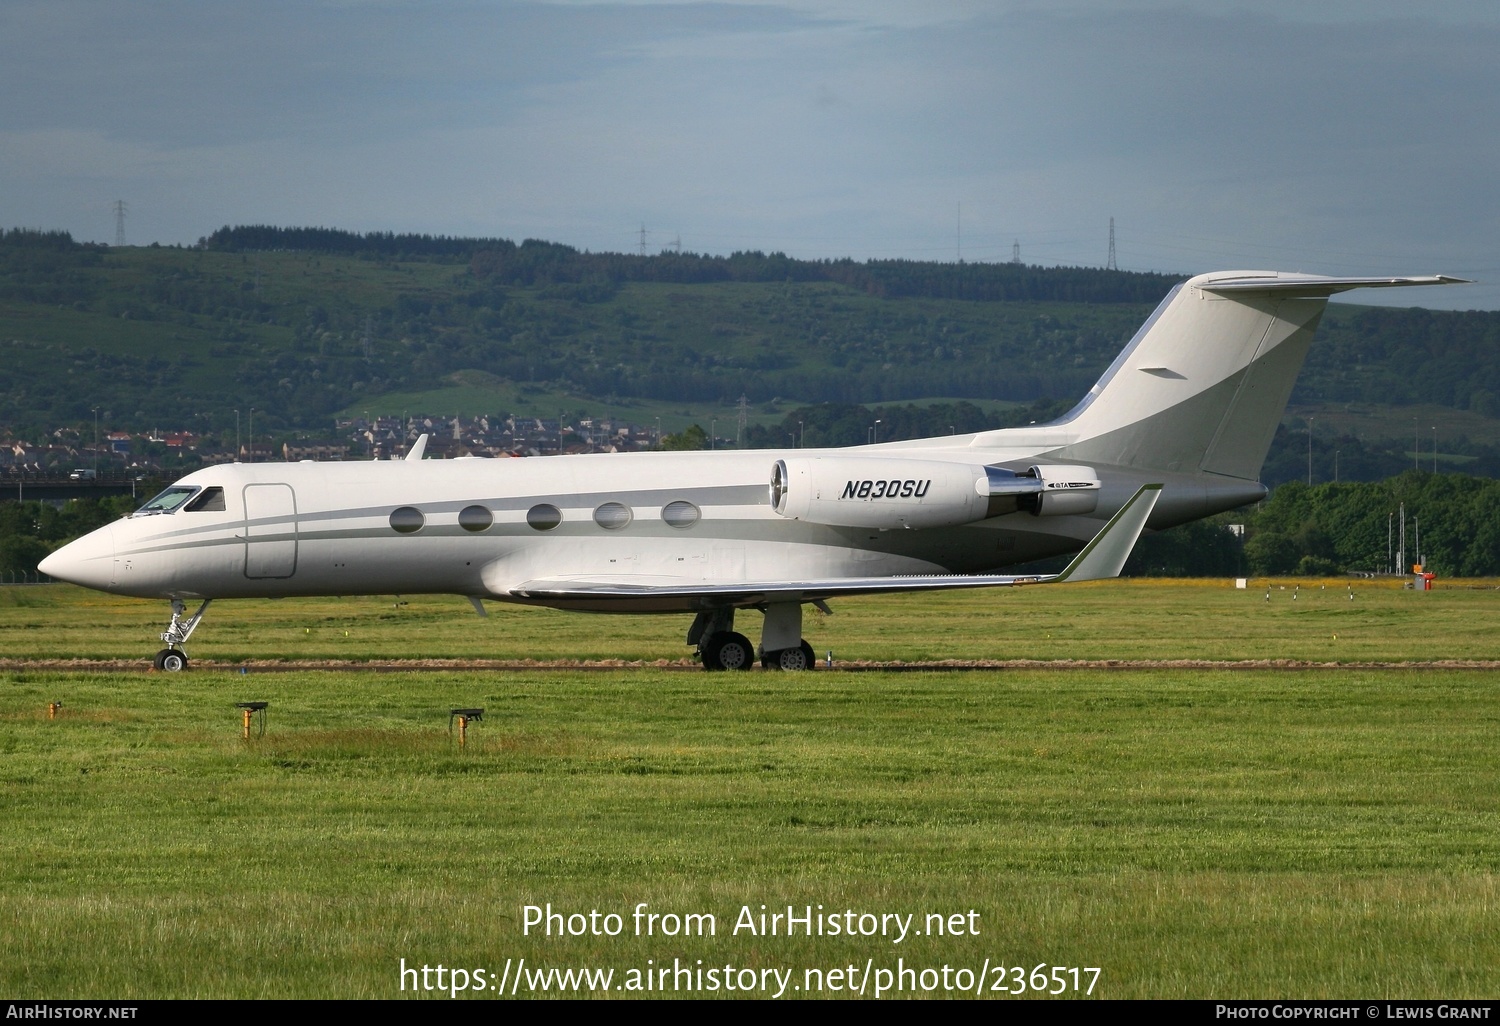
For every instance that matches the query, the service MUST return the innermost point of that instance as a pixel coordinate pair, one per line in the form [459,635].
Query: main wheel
[799,658]
[808,654]
[728,650]
[171,660]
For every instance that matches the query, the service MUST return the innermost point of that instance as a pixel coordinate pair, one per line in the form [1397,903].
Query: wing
[1102,557]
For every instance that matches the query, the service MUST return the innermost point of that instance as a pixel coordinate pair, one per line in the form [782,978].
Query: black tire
[156,660]
[792,659]
[728,650]
[709,652]
[171,660]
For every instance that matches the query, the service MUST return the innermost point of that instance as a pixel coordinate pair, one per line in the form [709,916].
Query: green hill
[302,324]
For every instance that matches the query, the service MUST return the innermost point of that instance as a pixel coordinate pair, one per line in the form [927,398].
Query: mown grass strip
[1192,833]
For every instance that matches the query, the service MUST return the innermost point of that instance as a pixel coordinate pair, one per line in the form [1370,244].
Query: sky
[1337,137]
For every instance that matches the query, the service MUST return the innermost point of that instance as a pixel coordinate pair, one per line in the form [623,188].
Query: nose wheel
[173,659]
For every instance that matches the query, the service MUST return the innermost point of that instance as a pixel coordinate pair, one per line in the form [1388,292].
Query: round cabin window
[612,516]
[475,518]
[407,520]
[680,514]
[544,516]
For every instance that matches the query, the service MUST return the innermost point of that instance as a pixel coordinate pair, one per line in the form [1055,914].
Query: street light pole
[96,444]
[1309,451]
[236,436]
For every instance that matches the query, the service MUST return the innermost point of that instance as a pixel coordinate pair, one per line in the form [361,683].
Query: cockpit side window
[210,500]
[168,501]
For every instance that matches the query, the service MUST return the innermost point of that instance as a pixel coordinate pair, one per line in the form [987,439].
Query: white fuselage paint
[1190,404]
[325,529]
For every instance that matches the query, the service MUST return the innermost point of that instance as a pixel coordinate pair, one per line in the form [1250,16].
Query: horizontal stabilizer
[1318,285]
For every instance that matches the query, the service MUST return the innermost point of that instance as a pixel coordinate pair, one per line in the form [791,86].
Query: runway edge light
[463,716]
[250,711]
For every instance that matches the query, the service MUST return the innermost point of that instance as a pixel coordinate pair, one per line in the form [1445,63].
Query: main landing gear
[727,650]
[799,658]
[172,658]
[782,647]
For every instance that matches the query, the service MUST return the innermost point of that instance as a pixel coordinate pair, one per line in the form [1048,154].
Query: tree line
[29,531]
[537,262]
[1348,527]
[301,323]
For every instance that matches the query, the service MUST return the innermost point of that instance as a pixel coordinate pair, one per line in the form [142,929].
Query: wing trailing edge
[1101,558]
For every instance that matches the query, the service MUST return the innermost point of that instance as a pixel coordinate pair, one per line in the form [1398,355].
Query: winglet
[1106,554]
[418,449]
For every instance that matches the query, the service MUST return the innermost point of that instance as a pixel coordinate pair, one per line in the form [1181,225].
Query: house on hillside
[322,453]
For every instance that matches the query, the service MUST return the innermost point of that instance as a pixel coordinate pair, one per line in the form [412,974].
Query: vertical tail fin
[1203,384]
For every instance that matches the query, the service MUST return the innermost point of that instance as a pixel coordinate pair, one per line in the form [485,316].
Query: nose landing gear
[172,659]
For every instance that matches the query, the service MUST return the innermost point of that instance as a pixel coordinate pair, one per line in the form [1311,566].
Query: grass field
[1306,620]
[1190,832]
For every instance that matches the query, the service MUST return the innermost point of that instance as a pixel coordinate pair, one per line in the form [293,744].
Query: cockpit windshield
[167,501]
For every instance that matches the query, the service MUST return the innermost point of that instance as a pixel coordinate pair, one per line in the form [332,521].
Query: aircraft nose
[89,561]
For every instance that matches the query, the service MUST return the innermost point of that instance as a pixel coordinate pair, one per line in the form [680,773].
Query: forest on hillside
[535,262]
[300,323]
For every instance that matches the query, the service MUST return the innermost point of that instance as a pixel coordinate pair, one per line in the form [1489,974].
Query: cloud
[1357,137]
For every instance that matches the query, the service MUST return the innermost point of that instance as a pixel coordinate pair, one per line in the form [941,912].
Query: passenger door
[270,531]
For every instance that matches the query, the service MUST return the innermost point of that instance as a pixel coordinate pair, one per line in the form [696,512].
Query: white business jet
[1176,429]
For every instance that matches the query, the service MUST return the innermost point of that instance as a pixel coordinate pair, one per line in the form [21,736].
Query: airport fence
[22,577]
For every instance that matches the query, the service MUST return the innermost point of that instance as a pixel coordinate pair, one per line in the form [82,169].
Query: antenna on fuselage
[418,449]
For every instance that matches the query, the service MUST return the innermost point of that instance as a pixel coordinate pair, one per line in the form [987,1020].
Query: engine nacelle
[1053,491]
[890,493]
[1066,491]
[869,491]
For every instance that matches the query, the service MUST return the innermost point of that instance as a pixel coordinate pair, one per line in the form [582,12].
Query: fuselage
[482,527]
[1177,428]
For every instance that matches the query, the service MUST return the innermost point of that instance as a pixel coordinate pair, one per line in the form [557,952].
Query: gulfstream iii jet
[1176,429]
